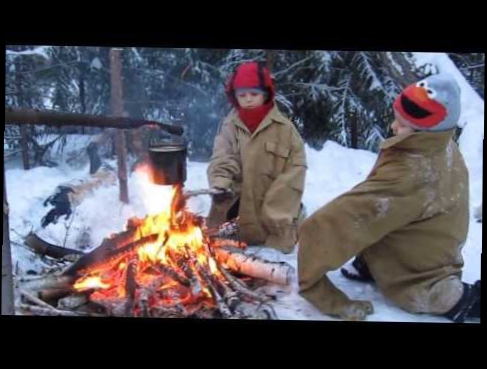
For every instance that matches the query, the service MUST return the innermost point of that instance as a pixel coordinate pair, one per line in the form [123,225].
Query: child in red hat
[258,164]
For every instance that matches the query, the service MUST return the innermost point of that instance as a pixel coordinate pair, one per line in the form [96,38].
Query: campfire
[168,264]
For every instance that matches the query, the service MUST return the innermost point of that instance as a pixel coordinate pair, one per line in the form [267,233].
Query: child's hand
[221,194]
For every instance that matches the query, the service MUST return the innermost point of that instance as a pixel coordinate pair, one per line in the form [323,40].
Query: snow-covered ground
[332,171]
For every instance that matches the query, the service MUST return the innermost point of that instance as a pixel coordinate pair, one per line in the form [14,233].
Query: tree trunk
[354,129]
[137,145]
[82,93]
[405,74]
[117,110]
[20,102]
[7,280]
[270,54]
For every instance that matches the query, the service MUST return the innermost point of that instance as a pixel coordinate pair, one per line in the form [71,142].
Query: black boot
[468,307]
[359,272]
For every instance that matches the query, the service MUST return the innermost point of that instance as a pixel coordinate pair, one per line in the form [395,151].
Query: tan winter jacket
[409,220]
[266,170]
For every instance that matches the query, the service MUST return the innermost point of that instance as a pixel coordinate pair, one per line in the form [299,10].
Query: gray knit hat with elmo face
[432,104]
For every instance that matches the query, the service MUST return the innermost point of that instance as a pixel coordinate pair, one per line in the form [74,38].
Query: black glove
[221,194]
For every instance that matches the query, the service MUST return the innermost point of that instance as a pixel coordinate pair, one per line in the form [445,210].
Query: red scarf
[253,117]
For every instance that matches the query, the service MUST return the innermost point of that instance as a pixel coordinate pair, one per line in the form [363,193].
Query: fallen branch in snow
[36,300]
[68,227]
[55,294]
[48,312]
[265,311]
[42,247]
[75,300]
[29,278]
[50,282]
[11,153]
[38,51]
[40,150]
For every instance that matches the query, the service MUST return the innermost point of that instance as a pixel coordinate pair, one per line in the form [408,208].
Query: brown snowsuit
[409,221]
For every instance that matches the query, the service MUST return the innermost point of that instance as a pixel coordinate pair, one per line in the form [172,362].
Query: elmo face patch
[417,104]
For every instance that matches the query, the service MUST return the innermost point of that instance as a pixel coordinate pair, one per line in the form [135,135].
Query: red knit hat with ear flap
[252,76]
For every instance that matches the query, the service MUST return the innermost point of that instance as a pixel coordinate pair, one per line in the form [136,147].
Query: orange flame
[178,232]
[90,283]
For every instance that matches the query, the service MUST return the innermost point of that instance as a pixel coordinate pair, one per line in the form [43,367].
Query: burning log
[242,289]
[101,257]
[211,285]
[217,298]
[173,274]
[227,231]
[230,296]
[275,272]
[183,264]
[112,306]
[195,283]
[227,244]
[164,312]
[147,292]
[37,244]
[123,238]
[144,302]
[130,287]
[220,302]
